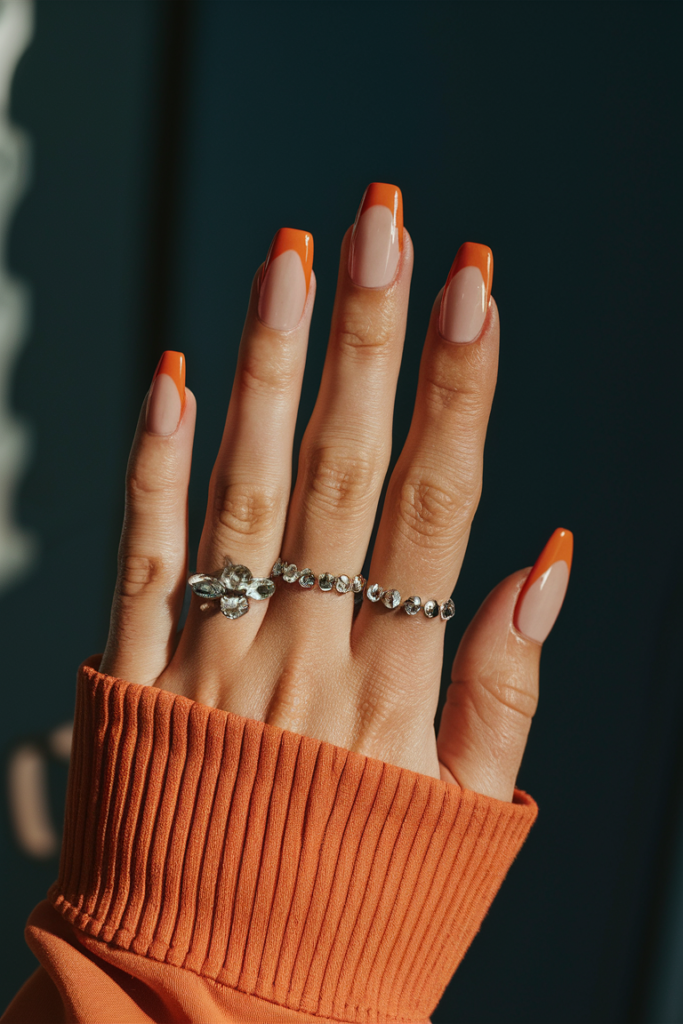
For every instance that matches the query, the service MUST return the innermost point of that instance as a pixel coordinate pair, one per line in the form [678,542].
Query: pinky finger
[493,696]
[152,565]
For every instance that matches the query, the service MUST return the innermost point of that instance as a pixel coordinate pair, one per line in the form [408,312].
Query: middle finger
[346,448]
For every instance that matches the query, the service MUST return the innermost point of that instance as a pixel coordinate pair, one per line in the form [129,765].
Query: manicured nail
[540,600]
[286,279]
[377,238]
[466,295]
[167,396]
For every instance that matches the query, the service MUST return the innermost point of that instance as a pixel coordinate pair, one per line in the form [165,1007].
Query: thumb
[494,691]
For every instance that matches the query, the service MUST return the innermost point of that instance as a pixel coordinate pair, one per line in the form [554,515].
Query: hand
[301,659]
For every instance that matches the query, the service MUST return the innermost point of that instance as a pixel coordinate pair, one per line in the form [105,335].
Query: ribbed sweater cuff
[281,866]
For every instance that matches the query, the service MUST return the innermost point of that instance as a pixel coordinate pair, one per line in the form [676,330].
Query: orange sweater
[215,869]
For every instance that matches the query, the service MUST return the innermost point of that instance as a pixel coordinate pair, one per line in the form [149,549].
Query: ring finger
[435,487]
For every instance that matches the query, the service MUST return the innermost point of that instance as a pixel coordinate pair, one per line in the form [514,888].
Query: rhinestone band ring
[412,605]
[326,581]
[235,586]
[357,585]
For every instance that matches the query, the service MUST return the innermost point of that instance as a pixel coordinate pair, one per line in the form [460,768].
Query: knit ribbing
[311,876]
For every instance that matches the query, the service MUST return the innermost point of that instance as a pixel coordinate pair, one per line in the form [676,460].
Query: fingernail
[286,279]
[466,295]
[167,396]
[377,238]
[540,600]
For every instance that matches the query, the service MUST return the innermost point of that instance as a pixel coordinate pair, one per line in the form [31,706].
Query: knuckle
[140,574]
[428,510]
[265,374]
[339,481]
[358,335]
[246,510]
[443,394]
[506,687]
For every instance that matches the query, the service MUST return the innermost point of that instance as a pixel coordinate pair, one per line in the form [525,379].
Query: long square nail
[286,279]
[466,296]
[377,238]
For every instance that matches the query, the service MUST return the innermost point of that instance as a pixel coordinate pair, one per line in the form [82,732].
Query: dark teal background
[170,141]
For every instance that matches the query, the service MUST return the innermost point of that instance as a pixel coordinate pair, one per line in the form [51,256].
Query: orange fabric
[216,868]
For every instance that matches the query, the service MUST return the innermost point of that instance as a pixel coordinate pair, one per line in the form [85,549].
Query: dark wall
[170,142]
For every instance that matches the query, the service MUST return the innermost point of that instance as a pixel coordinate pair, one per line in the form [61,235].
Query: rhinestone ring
[357,585]
[235,586]
[411,605]
[307,579]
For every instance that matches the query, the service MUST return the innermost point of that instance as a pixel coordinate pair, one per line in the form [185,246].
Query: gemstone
[234,607]
[412,605]
[290,573]
[391,599]
[236,577]
[206,586]
[431,609]
[357,584]
[307,579]
[374,592]
[326,581]
[343,584]
[447,610]
[277,568]
[260,589]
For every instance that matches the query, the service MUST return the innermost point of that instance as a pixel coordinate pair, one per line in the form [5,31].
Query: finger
[251,479]
[152,564]
[346,448]
[494,693]
[434,489]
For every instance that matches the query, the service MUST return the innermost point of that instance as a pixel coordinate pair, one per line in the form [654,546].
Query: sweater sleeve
[220,869]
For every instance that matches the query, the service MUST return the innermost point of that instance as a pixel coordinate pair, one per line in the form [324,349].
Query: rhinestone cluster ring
[326,581]
[234,587]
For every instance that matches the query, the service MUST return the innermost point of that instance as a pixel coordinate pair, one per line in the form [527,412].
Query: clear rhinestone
[277,568]
[326,581]
[234,607]
[431,609]
[412,605]
[290,573]
[260,589]
[447,610]
[343,584]
[206,586]
[357,584]
[236,577]
[307,579]
[392,599]
[374,592]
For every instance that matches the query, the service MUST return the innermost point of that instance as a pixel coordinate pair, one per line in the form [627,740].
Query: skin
[301,660]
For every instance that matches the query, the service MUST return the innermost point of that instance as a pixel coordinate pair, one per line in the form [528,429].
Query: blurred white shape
[60,739]
[18,549]
[28,791]
[28,802]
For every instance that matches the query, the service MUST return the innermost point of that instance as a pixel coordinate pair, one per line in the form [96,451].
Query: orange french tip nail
[560,548]
[378,193]
[472,254]
[173,364]
[300,241]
